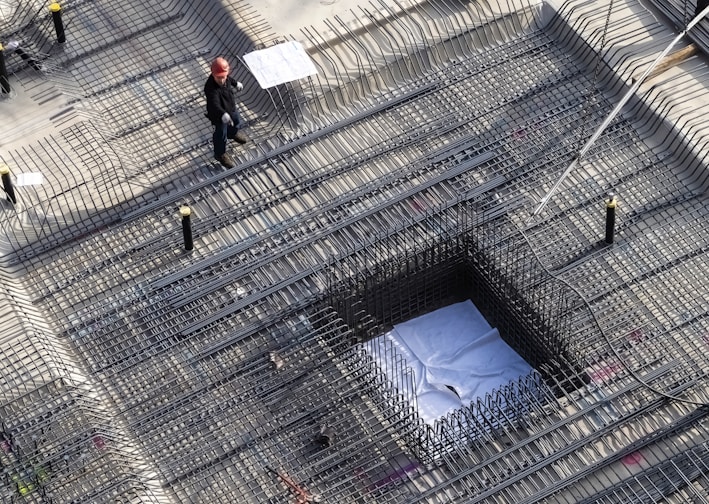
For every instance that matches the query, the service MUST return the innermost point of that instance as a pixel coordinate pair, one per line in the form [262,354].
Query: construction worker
[221,110]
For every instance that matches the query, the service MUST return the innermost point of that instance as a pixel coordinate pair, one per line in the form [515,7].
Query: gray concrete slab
[288,18]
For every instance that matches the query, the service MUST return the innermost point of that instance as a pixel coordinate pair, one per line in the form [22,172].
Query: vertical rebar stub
[7,183]
[611,203]
[56,11]
[185,212]
[32,62]
[4,78]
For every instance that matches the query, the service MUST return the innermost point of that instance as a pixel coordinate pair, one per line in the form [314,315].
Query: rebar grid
[399,179]
[127,97]
[681,13]
[59,440]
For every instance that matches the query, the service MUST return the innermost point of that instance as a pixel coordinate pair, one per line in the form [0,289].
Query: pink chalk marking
[99,442]
[394,476]
[605,372]
[636,335]
[633,458]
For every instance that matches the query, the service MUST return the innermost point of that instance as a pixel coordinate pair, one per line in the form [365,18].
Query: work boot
[240,137]
[226,160]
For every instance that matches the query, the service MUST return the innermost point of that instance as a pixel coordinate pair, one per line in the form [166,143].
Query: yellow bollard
[611,203]
[185,212]
[7,183]
[56,11]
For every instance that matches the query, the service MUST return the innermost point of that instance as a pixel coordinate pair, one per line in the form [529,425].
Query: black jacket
[220,99]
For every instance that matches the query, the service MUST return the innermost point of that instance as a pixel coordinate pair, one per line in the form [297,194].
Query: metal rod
[4,79]
[545,200]
[185,212]
[56,11]
[7,183]
[611,203]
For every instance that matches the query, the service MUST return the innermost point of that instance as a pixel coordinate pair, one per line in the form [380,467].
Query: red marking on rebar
[303,496]
[636,335]
[604,373]
[633,458]
[99,442]
[416,204]
[520,133]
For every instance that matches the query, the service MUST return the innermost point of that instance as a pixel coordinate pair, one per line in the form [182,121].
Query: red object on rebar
[99,442]
[302,494]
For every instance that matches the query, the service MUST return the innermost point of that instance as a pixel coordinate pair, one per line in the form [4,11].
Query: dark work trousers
[224,131]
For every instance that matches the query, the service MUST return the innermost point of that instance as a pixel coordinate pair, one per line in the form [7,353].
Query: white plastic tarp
[455,355]
[279,64]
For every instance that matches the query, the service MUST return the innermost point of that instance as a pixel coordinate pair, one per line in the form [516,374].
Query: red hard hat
[220,67]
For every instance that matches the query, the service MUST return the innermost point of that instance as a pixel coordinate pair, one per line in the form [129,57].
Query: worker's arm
[235,84]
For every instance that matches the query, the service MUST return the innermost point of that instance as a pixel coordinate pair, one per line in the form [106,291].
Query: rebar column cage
[400,278]
[541,317]
[401,177]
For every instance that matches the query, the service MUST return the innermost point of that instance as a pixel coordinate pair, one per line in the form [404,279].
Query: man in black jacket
[221,110]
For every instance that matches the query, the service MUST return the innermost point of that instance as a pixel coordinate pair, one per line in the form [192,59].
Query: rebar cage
[403,176]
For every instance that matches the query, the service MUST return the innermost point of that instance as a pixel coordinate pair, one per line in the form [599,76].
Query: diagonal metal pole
[545,200]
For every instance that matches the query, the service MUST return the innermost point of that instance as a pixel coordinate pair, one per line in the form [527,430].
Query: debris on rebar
[276,360]
[326,436]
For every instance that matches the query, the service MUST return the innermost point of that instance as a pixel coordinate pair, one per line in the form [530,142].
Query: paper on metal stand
[279,64]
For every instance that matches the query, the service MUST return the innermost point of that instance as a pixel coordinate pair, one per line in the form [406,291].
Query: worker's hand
[239,86]
[226,119]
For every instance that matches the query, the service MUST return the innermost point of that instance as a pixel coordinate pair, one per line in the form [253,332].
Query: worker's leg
[231,131]
[234,132]
[219,138]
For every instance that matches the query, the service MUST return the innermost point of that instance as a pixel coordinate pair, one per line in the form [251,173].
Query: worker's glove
[239,86]
[226,119]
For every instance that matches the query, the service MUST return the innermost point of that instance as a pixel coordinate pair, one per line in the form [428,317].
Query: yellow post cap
[611,202]
[185,211]
[1,47]
[55,7]
[4,169]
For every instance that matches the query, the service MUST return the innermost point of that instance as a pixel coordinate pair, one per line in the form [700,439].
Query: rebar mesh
[399,179]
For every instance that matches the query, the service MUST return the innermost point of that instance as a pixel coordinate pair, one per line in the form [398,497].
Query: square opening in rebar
[457,359]
[516,344]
